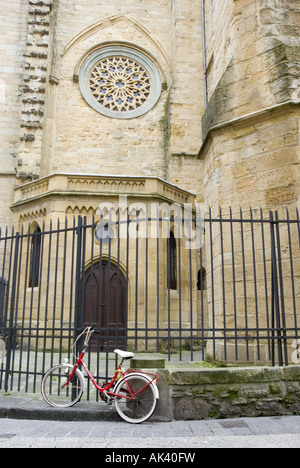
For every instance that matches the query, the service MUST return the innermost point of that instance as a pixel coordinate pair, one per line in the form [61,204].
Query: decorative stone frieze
[73,191]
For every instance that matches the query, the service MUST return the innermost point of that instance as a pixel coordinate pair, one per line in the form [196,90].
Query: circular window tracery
[120,82]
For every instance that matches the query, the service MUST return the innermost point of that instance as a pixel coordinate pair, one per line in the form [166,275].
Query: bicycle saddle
[124,354]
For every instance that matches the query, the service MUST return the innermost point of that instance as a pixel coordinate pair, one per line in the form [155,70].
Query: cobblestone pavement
[274,432]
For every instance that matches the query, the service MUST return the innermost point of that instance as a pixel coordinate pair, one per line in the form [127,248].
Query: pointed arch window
[172,262]
[35,257]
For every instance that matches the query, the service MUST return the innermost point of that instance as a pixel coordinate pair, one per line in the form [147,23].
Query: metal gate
[224,288]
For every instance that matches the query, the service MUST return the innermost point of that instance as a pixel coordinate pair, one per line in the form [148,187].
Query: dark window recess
[172,262]
[35,258]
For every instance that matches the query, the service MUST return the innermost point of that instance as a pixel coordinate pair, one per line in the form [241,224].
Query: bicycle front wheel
[136,400]
[54,391]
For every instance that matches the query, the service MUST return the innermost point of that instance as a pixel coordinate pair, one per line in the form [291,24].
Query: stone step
[148,363]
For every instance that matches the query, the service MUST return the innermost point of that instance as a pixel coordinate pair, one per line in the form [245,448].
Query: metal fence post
[276,323]
[281,289]
[78,283]
[11,331]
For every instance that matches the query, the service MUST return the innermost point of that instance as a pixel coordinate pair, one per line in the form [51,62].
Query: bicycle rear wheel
[137,399]
[55,393]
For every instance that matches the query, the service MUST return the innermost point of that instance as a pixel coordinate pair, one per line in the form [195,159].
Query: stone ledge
[87,185]
[245,120]
[231,392]
[225,376]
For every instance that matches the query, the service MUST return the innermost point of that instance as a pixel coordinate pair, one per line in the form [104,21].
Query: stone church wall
[250,127]
[13,34]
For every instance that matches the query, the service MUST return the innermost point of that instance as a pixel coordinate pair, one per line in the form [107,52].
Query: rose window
[120,82]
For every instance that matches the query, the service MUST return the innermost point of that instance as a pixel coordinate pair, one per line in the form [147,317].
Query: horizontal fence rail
[219,288]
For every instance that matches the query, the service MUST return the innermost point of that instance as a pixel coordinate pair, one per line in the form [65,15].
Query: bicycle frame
[118,371]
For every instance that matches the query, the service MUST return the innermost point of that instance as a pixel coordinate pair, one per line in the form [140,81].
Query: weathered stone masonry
[34,89]
[229,393]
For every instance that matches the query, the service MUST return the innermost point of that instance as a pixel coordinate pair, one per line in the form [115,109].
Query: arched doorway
[105,305]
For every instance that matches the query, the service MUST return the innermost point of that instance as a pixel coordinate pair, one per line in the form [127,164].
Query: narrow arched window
[172,262]
[35,254]
[201,283]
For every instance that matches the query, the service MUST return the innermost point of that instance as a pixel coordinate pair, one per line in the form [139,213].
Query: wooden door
[105,305]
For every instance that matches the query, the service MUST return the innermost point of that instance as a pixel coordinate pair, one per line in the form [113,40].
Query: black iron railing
[224,288]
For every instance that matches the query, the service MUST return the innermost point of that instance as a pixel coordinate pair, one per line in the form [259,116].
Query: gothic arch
[110,21]
[105,295]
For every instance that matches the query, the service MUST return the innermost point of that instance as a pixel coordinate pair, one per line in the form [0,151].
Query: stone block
[149,363]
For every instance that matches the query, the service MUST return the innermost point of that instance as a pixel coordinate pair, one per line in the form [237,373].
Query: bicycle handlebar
[89,331]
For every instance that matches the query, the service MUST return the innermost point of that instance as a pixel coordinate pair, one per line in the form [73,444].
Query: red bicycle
[134,393]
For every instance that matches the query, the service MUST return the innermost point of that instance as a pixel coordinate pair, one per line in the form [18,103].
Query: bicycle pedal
[110,402]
